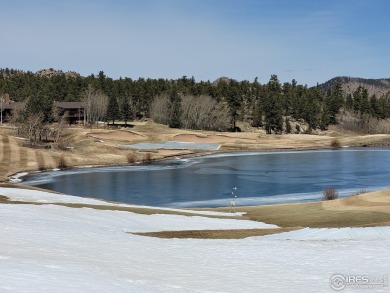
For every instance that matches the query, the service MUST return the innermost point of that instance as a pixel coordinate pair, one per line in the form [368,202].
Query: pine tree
[234,100]
[349,102]
[325,117]
[365,106]
[175,110]
[126,110]
[334,102]
[112,109]
[288,125]
[273,108]
[310,109]
[257,115]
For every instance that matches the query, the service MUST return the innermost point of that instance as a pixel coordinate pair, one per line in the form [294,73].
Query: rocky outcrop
[52,72]
[377,87]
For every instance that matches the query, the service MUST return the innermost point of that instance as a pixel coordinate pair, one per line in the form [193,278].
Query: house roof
[14,105]
[69,105]
[62,105]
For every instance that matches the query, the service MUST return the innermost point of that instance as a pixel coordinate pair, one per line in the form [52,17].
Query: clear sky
[309,40]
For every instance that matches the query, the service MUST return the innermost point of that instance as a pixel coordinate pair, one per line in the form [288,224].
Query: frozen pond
[260,178]
[173,145]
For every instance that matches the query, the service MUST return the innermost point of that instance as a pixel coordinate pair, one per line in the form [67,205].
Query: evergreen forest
[186,103]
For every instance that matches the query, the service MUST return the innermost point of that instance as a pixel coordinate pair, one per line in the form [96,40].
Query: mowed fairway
[15,157]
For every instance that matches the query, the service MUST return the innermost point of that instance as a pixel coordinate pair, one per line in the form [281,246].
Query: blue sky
[309,40]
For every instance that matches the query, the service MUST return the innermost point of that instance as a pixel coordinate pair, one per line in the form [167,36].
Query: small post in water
[233,201]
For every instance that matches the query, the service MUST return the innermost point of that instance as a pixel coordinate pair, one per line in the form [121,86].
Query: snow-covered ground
[49,248]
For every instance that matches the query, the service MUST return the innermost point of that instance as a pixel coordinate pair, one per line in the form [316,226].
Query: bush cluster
[330,194]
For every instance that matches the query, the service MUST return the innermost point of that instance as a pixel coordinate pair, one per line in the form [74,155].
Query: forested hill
[191,104]
[377,87]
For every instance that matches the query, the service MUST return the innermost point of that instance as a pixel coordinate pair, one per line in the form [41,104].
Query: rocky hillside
[378,87]
[223,78]
[52,72]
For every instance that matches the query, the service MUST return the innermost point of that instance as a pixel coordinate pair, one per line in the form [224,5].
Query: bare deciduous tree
[201,112]
[365,123]
[31,128]
[95,103]
[62,120]
[159,110]
[205,113]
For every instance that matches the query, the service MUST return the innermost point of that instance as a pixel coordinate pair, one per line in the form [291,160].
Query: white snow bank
[46,248]
[49,248]
[17,194]
[337,234]
[16,178]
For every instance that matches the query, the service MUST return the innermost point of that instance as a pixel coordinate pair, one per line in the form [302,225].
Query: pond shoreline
[195,154]
[174,156]
[201,197]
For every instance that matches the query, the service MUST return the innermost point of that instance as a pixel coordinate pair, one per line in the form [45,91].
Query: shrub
[131,158]
[361,191]
[41,164]
[330,194]
[62,163]
[63,147]
[148,158]
[335,143]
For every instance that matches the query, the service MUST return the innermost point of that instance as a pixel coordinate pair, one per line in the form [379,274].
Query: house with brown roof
[7,106]
[74,110]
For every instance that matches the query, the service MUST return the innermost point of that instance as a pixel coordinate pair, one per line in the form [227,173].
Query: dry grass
[362,210]
[216,234]
[3,199]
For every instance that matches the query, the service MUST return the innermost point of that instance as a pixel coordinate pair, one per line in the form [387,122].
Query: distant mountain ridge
[378,87]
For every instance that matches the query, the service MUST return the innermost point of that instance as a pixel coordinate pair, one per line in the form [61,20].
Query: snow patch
[46,248]
[17,177]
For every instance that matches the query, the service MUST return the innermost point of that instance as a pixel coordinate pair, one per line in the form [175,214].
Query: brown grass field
[100,147]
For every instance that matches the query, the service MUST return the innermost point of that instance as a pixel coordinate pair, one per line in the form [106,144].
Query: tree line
[185,103]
